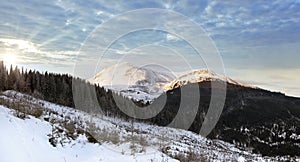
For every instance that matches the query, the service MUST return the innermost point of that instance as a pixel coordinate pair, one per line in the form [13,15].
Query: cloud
[171,37]
[209,8]
[30,52]
[245,19]
[22,45]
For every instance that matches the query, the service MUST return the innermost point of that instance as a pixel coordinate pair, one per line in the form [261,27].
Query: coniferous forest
[54,88]
[59,89]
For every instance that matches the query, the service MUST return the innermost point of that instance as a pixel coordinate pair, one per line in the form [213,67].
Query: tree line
[59,89]
[54,88]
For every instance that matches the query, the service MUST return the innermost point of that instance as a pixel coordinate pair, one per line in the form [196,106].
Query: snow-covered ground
[29,139]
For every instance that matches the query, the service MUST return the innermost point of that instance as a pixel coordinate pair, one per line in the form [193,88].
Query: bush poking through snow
[90,138]
[21,107]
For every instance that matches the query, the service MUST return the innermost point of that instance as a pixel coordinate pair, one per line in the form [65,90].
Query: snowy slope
[28,139]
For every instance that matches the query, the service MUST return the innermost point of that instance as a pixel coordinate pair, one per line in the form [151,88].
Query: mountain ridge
[271,119]
[145,84]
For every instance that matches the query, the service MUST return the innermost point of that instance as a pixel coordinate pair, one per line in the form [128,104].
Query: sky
[258,41]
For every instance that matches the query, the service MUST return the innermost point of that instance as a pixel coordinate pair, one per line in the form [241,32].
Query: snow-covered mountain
[147,83]
[43,131]
[197,76]
[144,83]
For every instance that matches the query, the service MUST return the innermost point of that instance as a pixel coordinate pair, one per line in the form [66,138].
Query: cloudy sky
[258,41]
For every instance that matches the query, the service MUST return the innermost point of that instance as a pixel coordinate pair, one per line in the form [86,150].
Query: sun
[10,59]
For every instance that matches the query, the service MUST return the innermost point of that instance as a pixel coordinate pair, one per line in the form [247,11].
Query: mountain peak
[201,75]
[139,83]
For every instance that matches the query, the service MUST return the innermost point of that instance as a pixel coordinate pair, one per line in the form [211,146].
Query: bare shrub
[114,137]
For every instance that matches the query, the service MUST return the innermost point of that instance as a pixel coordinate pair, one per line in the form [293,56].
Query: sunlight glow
[10,59]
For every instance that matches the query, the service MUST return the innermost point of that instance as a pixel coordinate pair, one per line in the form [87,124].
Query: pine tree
[19,82]
[3,77]
[11,80]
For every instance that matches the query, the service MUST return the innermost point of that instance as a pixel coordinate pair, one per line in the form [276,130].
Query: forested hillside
[59,88]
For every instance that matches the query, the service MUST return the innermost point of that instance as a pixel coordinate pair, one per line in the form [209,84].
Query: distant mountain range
[146,83]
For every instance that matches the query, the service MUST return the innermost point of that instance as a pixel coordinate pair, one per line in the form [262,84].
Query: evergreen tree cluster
[56,88]
[61,89]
